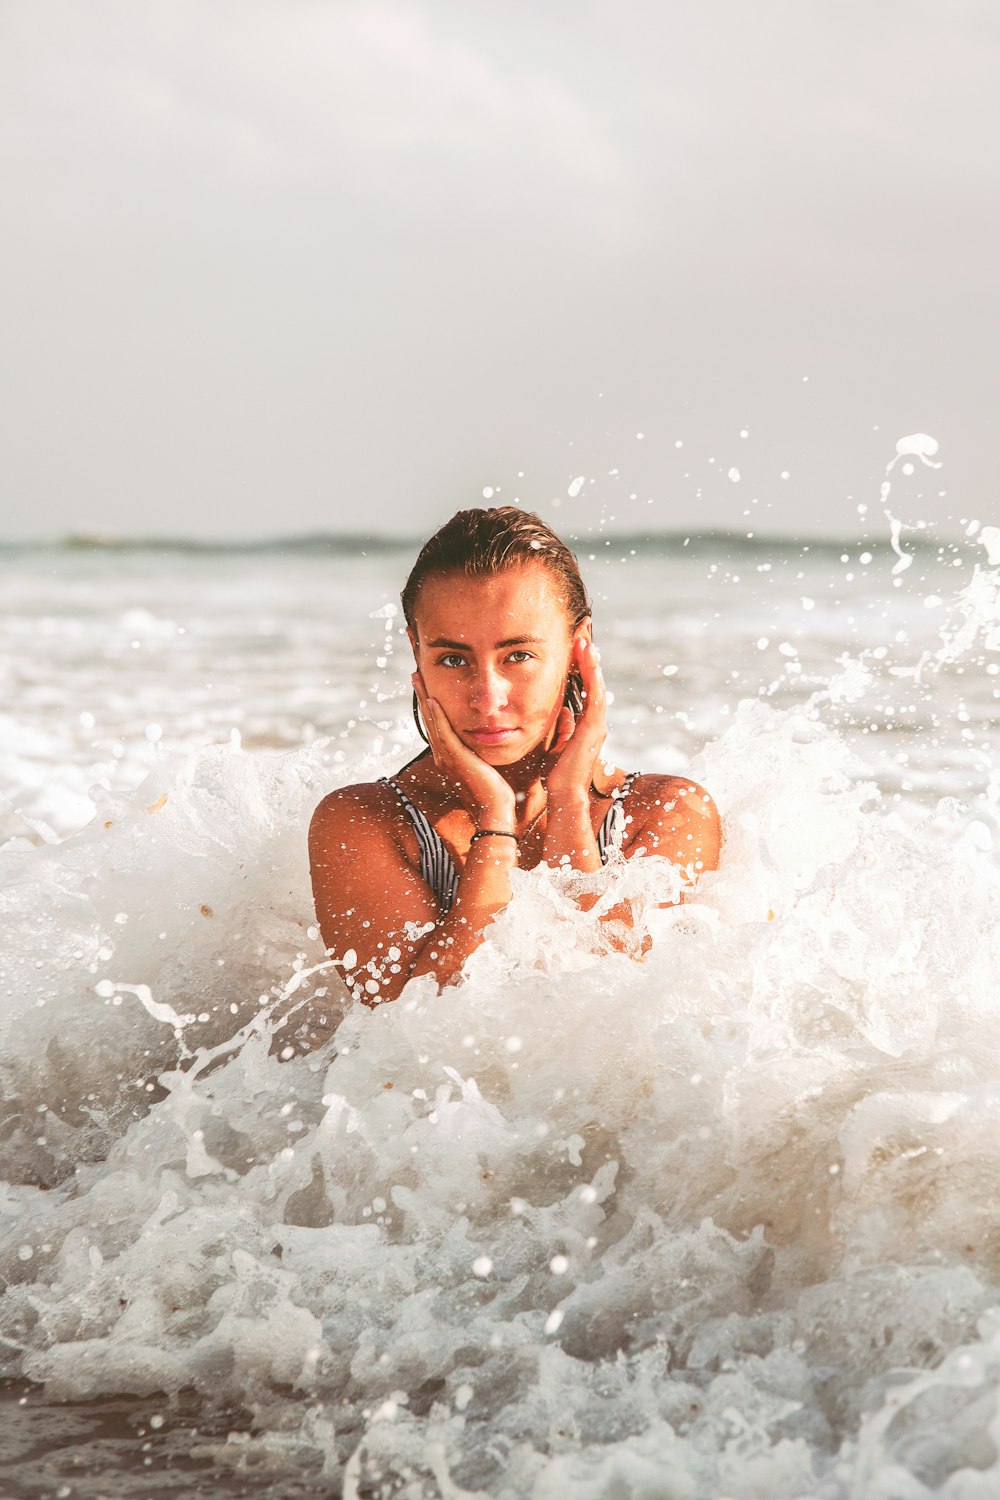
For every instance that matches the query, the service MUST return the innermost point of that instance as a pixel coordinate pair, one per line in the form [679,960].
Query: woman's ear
[585,628]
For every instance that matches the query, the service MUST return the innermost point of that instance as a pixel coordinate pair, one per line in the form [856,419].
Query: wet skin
[492,657]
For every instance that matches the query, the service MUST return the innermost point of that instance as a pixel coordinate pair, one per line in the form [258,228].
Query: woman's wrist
[569,833]
[494,816]
[568,800]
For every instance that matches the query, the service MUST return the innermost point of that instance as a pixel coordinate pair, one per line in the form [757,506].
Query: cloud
[307,93]
[252,245]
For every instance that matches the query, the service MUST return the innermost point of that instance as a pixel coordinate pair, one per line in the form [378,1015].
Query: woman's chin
[506,752]
[498,755]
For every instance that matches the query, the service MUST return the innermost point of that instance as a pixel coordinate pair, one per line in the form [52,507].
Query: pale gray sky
[274,266]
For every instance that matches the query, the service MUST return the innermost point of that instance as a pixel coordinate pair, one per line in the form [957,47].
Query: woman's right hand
[483,791]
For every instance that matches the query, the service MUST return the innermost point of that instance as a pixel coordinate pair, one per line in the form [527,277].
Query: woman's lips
[490,736]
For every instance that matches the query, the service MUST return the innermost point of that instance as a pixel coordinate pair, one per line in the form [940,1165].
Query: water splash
[725,1214]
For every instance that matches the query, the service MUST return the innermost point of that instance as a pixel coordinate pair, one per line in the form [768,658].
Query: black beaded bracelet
[493,833]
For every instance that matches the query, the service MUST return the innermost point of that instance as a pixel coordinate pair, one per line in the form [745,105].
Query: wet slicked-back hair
[480,543]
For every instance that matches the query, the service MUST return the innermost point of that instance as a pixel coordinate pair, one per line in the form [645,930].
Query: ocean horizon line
[355,543]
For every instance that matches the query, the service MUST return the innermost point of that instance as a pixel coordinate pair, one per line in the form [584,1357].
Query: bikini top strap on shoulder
[436,865]
[612,830]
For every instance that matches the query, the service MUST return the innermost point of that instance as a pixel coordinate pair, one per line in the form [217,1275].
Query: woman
[409,872]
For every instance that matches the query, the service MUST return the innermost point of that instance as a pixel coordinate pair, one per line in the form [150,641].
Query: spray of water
[715,1215]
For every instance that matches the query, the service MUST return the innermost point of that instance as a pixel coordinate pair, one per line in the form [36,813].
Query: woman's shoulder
[661,800]
[360,808]
[680,817]
[661,788]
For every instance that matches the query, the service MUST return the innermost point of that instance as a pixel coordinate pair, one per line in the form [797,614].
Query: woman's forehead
[526,599]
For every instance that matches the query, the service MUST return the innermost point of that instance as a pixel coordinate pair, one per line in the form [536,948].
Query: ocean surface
[721,1223]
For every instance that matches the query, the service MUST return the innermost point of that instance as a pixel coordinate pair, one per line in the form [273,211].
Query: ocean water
[719,1223]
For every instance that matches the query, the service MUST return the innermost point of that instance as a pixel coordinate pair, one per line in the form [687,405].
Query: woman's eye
[520,656]
[451,660]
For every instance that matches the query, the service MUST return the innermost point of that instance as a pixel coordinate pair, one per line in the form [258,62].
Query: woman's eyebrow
[514,640]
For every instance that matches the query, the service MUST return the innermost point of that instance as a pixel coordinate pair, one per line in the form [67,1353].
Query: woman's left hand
[578,742]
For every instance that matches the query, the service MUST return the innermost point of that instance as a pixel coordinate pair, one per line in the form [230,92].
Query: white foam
[919,445]
[989,536]
[725,1211]
[339,1226]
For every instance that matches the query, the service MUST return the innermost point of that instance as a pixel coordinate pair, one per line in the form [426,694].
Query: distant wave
[358,544]
[349,543]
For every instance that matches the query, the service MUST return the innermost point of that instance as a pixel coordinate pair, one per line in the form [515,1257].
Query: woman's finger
[593,681]
[428,708]
[565,725]
[442,724]
[587,663]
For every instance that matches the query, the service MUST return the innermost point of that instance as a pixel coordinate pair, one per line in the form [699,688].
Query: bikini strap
[612,830]
[437,867]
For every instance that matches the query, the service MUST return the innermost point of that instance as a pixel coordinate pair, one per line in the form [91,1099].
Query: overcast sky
[275,266]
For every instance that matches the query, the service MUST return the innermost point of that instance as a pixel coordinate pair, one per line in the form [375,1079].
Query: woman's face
[495,652]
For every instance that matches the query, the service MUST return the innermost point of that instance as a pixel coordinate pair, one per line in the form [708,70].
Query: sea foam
[703,1206]
[719,1218]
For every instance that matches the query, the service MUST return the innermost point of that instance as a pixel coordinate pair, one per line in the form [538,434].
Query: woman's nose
[489,691]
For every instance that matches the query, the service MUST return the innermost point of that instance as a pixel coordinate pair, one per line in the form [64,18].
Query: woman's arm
[667,815]
[379,915]
[569,831]
[375,910]
[675,819]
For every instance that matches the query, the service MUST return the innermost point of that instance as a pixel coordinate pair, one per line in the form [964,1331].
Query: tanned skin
[492,656]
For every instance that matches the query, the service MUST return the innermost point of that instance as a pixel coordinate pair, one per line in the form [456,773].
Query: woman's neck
[526,774]
[526,778]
